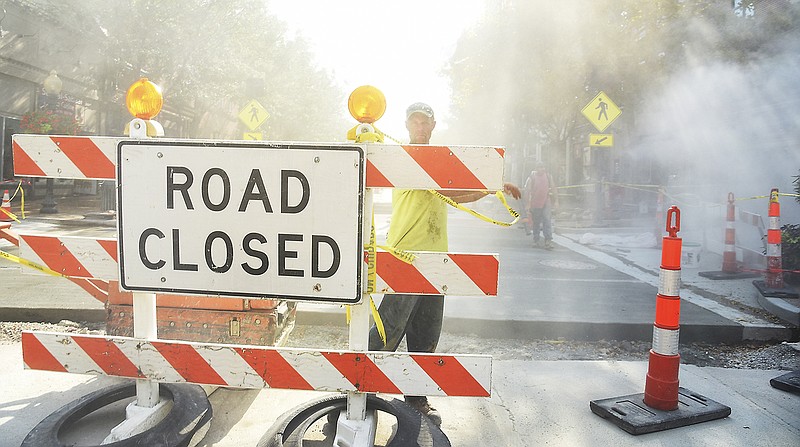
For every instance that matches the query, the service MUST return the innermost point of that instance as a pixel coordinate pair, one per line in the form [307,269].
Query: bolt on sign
[601,111]
[261,220]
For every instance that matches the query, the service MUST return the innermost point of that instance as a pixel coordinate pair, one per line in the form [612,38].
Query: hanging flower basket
[49,122]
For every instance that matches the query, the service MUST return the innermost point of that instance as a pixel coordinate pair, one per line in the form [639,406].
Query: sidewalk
[532,403]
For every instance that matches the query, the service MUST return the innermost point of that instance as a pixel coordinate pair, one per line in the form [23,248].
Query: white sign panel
[261,220]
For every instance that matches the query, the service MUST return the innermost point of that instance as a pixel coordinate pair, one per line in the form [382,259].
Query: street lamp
[52,84]
[52,87]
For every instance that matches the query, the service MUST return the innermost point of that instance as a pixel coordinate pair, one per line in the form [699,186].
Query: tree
[522,75]
[202,53]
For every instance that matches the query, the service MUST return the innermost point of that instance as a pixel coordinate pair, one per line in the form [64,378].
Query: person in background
[419,223]
[540,198]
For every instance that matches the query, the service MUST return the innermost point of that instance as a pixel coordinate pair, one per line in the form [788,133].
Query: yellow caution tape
[378,322]
[498,194]
[30,264]
[371,281]
[10,214]
[22,203]
[386,135]
[21,191]
[404,256]
[370,248]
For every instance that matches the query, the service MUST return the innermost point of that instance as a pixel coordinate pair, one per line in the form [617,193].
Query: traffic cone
[5,210]
[773,286]
[658,407]
[730,268]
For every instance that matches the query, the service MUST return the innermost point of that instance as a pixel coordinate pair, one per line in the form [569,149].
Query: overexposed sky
[399,47]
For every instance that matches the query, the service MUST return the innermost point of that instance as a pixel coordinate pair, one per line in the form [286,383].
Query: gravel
[775,355]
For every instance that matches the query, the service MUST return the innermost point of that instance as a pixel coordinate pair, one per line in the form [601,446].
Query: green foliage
[790,250]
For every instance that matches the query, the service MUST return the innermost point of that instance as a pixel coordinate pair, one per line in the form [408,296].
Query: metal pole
[145,325]
[49,204]
[356,427]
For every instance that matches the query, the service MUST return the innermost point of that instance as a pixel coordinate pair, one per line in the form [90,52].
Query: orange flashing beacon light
[144,99]
[366,104]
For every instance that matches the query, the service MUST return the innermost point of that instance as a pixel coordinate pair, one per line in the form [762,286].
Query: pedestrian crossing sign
[253,115]
[601,111]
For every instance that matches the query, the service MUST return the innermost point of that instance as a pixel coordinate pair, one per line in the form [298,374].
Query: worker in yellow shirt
[419,223]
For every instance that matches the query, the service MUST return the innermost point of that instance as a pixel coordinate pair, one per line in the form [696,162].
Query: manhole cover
[568,265]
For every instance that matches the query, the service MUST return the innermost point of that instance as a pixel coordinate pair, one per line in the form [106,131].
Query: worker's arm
[462,196]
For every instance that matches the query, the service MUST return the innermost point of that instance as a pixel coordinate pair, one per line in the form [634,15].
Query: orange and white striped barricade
[199,235]
[773,286]
[731,268]
[664,404]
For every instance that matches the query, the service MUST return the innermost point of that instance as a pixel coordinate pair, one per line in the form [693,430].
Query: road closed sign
[260,220]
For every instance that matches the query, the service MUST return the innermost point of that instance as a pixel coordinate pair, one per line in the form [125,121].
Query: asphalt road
[572,291]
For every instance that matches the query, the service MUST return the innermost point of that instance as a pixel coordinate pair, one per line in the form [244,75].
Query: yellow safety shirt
[419,221]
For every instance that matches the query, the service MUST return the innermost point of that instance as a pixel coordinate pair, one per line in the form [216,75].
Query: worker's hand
[510,188]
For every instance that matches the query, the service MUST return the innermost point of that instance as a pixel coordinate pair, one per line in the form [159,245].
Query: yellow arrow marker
[601,139]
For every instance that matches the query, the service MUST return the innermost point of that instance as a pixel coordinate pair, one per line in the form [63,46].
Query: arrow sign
[601,140]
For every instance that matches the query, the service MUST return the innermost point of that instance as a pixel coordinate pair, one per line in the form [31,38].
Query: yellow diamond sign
[601,111]
[253,115]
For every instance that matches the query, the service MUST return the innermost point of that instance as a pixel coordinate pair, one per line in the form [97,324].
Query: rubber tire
[191,411]
[413,428]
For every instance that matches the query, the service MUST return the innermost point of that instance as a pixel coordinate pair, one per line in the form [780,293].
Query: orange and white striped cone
[730,267]
[5,210]
[729,264]
[772,290]
[661,388]
[661,392]
[774,276]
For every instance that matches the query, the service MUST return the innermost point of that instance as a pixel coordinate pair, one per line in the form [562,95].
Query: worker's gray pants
[418,317]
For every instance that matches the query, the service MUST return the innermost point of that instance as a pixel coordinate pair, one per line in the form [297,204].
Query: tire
[413,428]
[190,414]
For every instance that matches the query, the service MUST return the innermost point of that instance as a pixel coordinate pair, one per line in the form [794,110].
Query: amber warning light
[366,104]
[144,99]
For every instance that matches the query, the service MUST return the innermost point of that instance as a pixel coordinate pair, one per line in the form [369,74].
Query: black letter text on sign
[260,220]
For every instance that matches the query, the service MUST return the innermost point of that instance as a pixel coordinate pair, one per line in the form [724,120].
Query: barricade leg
[356,426]
[664,404]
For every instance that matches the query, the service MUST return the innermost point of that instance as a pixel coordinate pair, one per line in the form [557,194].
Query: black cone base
[788,382]
[765,290]
[728,275]
[632,415]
